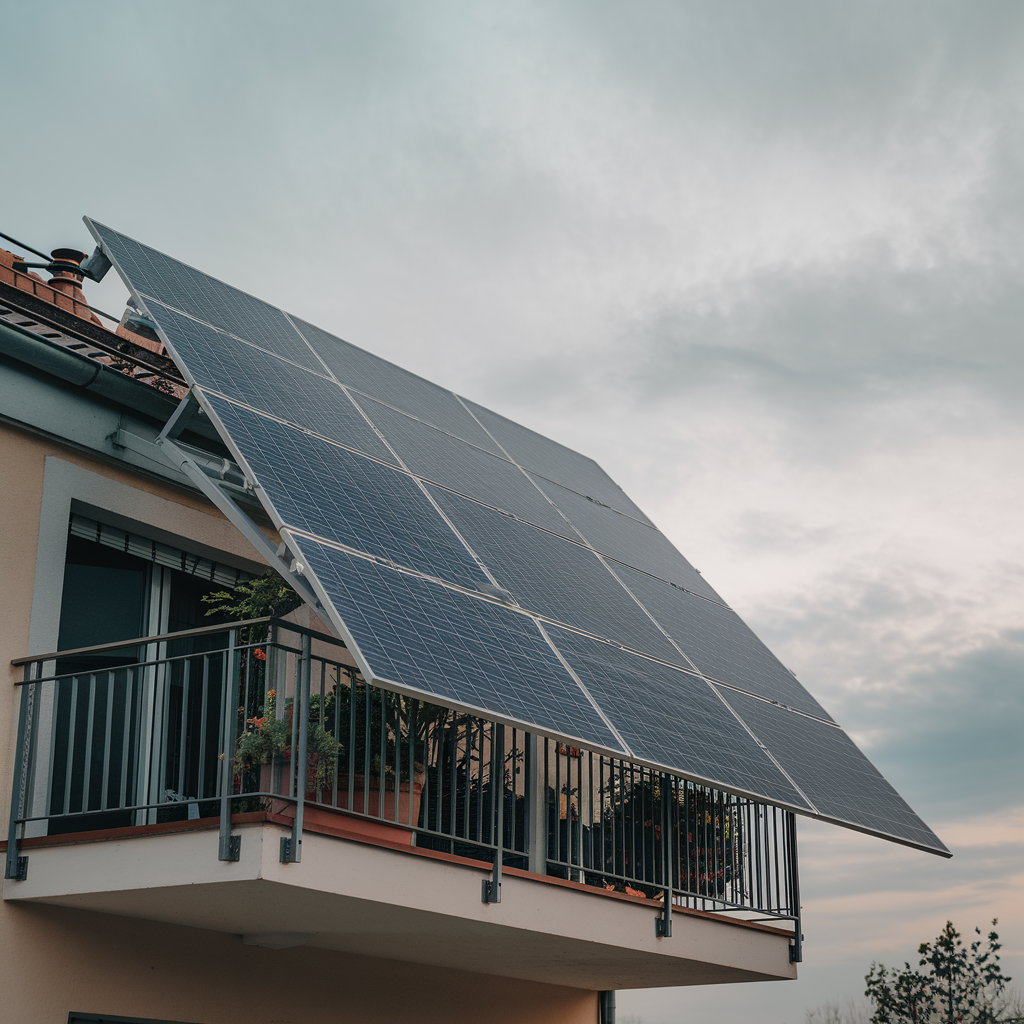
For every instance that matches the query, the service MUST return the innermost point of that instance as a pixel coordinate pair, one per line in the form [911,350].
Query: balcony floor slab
[355,897]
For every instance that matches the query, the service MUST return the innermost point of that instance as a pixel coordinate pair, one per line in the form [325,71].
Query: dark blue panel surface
[218,362]
[323,489]
[453,463]
[626,540]
[719,642]
[421,635]
[156,276]
[555,578]
[674,719]
[554,461]
[388,383]
[837,778]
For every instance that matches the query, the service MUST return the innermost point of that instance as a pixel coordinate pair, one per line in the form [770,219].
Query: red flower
[259,654]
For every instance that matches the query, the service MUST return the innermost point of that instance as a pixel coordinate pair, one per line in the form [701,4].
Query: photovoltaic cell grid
[435,635]
[623,538]
[837,778]
[457,465]
[421,635]
[392,385]
[673,719]
[555,462]
[719,642]
[219,363]
[320,488]
[154,275]
[555,578]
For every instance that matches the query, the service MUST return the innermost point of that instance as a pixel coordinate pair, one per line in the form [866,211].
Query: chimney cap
[71,255]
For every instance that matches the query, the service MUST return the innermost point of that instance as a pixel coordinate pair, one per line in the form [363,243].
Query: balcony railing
[268,716]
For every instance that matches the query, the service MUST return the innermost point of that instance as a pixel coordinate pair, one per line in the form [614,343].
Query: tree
[959,984]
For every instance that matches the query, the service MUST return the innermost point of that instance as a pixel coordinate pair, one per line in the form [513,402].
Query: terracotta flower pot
[380,813]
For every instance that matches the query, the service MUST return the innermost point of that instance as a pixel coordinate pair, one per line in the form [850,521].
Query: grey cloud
[812,345]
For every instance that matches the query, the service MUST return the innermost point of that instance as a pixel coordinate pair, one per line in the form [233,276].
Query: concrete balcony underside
[379,901]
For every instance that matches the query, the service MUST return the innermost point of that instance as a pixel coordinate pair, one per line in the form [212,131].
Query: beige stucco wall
[55,960]
[30,464]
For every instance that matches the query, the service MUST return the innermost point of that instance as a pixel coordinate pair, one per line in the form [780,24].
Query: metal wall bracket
[796,948]
[231,849]
[663,927]
[287,856]
[20,870]
[490,891]
[238,518]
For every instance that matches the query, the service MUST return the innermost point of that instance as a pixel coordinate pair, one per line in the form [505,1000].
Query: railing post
[230,846]
[491,887]
[536,806]
[606,1006]
[663,923]
[291,846]
[796,950]
[17,866]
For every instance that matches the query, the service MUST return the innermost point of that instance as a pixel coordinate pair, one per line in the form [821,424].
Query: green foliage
[958,983]
[266,736]
[259,597]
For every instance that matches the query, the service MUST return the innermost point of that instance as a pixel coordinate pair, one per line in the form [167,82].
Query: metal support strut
[17,866]
[291,846]
[663,922]
[491,887]
[796,948]
[230,846]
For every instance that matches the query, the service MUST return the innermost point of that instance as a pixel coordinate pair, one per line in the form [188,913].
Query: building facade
[219,818]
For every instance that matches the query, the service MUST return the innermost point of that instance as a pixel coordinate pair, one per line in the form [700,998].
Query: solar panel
[459,466]
[841,783]
[719,642]
[153,275]
[674,719]
[625,539]
[554,461]
[402,559]
[555,578]
[394,386]
[217,362]
[421,636]
[319,488]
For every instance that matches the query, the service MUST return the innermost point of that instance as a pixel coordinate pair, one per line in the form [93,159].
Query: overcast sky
[762,261]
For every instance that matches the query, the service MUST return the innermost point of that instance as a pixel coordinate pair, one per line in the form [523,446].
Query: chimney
[67,277]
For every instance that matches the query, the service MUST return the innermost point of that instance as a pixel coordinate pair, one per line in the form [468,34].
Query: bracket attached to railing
[291,846]
[17,868]
[230,848]
[663,922]
[796,947]
[490,888]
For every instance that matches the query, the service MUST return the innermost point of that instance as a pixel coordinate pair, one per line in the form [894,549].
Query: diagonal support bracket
[187,408]
[237,516]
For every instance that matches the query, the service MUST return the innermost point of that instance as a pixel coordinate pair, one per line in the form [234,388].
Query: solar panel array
[410,507]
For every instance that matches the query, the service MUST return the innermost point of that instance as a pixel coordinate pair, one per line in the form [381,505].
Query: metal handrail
[141,641]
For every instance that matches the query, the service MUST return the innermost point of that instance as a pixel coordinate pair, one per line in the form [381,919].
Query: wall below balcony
[56,959]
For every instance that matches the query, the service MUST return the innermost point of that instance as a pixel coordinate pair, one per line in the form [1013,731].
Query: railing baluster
[107,737]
